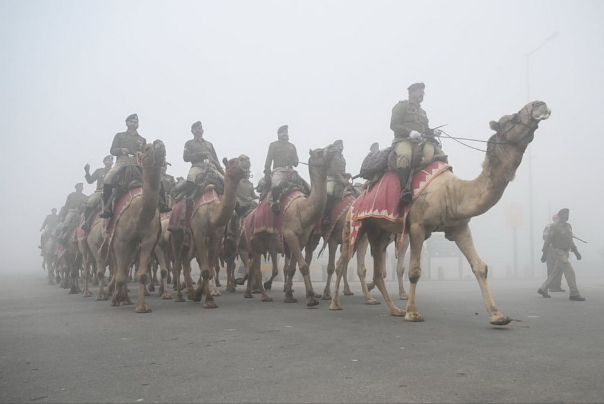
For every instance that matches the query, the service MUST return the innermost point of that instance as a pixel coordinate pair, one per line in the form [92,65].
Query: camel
[446,205]
[49,259]
[162,253]
[138,225]
[207,228]
[299,220]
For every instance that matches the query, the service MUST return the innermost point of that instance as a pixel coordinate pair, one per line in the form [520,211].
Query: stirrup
[106,214]
[276,207]
[85,226]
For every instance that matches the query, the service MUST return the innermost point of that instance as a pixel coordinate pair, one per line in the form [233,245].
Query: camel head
[153,155]
[322,157]
[237,168]
[520,128]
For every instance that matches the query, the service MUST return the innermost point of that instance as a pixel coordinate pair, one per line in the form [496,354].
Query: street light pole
[530,165]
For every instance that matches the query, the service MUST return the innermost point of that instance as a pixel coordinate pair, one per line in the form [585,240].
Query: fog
[72,71]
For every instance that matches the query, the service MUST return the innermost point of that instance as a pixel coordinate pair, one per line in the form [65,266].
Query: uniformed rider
[70,212]
[410,125]
[95,200]
[337,179]
[283,157]
[50,222]
[126,146]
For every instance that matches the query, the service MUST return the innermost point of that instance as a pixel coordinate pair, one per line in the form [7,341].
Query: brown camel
[207,228]
[447,204]
[138,225]
[299,220]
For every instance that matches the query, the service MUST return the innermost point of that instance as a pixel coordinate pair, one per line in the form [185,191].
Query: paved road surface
[56,347]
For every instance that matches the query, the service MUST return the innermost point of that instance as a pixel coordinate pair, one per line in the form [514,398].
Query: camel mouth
[540,111]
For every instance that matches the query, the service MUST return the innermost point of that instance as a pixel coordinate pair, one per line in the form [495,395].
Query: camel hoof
[374,302]
[210,305]
[143,309]
[87,294]
[335,306]
[326,296]
[166,296]
[312,302]
[501,321]
[248,295]
[290,300]
[348,293]
[414,317]
[403,297]
[267,299]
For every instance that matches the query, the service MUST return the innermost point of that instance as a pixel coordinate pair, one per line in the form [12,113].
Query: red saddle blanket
[81,234]
[177,216]
[262,218]
[381,200]
[337,211]
[118,208]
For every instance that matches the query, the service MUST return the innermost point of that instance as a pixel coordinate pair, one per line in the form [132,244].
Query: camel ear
[494,125]
[224,161]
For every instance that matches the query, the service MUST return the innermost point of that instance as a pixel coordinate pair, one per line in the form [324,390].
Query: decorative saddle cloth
[382,199]
[262,219]
[337,211]
[177,216]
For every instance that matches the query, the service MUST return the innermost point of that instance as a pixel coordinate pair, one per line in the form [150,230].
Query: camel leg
[142,275]
[206,267]
[341,266]
[123,253]
[268,285]
[379,241]
[332,246]
[416,241]
[163,270]
[400,269]
[463,239]
[362,271]
[177,248]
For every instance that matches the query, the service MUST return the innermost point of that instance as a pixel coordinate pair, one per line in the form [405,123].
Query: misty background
[72,71]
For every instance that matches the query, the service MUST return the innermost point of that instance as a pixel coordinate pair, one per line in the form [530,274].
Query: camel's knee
[480,270]
[142,278]
[414,274]
[164,273]
[304,270]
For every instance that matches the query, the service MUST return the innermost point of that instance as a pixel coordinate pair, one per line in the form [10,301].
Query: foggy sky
[72,71]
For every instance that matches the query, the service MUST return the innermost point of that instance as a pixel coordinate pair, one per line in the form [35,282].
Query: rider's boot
[403,176]
[109,195]
[276,193]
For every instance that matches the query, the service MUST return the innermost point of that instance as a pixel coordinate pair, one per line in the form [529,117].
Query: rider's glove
[414,134]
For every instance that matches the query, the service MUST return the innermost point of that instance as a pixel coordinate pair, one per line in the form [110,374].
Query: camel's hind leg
[142,275]
[379,240]
[416,241]
[463,239]
[342,264]
[400,269]
[296,250]
[362,270]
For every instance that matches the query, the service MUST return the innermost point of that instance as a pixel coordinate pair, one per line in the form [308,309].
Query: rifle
[583,241]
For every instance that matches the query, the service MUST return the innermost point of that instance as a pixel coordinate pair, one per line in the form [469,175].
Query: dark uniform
[50,222]
[560,239]
[95,200]
[556,285]
[70,212]
[202,156]
[337,179]
[246,196]
[407,117]
[283,157]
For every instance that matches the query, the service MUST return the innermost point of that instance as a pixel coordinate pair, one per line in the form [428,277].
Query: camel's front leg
[341,266]
[163,270]
[142,275]
[463,239]
[416,241]
[331,267]
[294,246]
[400,269]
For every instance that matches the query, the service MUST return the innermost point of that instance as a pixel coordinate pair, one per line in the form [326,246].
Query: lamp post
[530,170]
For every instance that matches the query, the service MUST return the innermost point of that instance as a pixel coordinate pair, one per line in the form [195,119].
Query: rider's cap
[563,211]
[416,86]
[282,129]
[196,125]
[133,116]
[108,158]
[79,184]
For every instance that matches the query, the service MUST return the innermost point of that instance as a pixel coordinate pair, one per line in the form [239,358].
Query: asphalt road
[56,347]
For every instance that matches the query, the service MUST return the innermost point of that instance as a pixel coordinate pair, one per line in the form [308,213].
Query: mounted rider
[126,146]
[283,157]
[410,125]
[50,222]
[337,179]
[95,200]
[70,212]
[204,162]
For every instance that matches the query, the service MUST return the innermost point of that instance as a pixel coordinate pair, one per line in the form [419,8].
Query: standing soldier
[337,179]
[409,123]
[49,224]
[125,146]
[202,156]
[70,212]
[94,201]
[560,239]
[283,157]
[556,285]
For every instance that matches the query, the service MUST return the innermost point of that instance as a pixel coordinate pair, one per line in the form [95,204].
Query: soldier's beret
[79,184]
[375,146]
[416,86]
[563,211]
[338,142]
[133,116]
[108,157]
[282,129]
[196,125]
